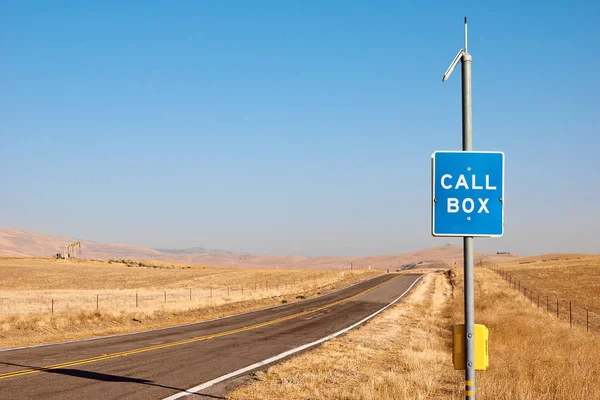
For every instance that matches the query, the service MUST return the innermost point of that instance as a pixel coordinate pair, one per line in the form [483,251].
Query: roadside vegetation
[401,354]
[406,352]
[46,300]
[533,355]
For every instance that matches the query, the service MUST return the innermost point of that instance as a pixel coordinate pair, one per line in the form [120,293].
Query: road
[162,363]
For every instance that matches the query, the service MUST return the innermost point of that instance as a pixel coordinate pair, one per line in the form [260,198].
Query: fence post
[190,294]
[546,303]
[570,315]
[242,289]
[587,320]
[136,299]
[165,296]
[52,305]
[96,303]
[211,292]
[557,307]
[227,291]
[538,300]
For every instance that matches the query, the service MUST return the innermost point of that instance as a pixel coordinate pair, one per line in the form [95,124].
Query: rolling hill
[20,243]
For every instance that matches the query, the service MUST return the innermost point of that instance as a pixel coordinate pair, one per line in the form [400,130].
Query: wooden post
[53,305]
[190,294]
[211,292]
[538,300]
[570,315]
[587,320]
[227,291]
[136,299]
[96,303]
[557,307]
[165,296]
[546,303]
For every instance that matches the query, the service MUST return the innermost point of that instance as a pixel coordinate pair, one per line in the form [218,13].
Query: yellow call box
[481,347]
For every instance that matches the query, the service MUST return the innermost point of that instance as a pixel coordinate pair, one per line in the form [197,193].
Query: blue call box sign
[467,193]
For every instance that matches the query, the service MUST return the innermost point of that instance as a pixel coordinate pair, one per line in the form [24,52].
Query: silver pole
[467,136]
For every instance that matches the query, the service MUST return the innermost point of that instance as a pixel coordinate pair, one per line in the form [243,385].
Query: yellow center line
[186,341]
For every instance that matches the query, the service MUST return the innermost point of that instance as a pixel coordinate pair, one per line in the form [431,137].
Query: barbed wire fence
[131,299]
[565,310]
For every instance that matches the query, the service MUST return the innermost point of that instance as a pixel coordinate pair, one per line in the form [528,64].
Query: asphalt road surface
[162,363]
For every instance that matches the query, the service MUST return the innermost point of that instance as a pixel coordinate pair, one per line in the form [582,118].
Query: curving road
[165,363]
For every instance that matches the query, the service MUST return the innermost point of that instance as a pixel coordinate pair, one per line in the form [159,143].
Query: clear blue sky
[293,127]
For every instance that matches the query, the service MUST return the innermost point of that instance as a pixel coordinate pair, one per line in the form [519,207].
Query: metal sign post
[468,248]
[467,201]
[462,205]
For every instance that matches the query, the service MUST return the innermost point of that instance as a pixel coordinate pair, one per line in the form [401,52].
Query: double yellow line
[186,341]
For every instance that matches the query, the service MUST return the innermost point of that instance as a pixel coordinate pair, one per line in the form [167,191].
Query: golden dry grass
[562,277]
[402,354]
[532,354]
[44,273]
[568,276]
[27,287]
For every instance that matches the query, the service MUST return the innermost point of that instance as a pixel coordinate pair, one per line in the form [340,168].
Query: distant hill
[19,243]
[195,250]
[14,242]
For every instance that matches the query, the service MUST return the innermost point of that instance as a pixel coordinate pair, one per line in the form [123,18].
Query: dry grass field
[562,277]
[533,355]
[43,300]
[405,353]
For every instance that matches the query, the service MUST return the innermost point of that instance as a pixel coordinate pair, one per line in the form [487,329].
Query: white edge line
[278,357]
[181,325]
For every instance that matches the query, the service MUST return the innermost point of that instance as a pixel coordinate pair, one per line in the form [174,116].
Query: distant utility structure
[70,250]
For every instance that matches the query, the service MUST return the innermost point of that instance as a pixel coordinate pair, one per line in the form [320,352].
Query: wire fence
[565,310]
[52,301]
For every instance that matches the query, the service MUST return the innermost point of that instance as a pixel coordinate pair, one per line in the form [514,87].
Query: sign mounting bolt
[468,218]
[468,168]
